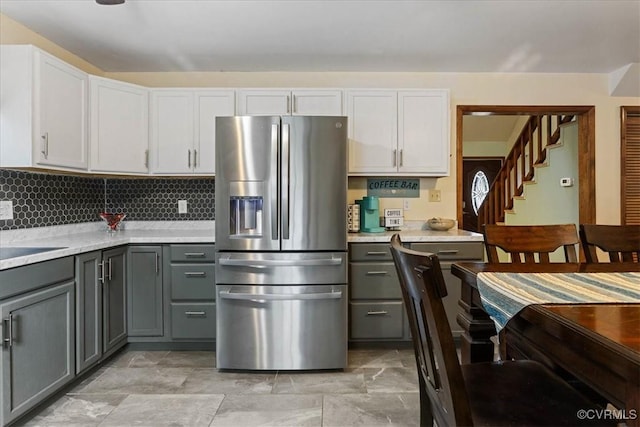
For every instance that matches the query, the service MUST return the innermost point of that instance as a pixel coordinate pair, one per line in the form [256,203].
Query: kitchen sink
[13,252]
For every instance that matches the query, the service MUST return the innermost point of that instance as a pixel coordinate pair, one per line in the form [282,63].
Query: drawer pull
[194,254]
[448,252]
[377,313]
[196,313]
[376,253]
[377,273]
[195,274]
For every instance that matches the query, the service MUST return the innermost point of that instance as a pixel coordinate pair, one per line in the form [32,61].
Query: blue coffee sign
[393,187]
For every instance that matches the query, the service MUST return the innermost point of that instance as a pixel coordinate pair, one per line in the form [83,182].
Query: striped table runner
[503,295]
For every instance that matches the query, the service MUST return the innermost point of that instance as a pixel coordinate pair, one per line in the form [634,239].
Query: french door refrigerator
[281,242]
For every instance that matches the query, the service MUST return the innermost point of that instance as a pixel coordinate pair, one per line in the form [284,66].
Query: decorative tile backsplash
[41,199]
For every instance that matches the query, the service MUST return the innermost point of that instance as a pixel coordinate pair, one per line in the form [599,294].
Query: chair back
[620,242]
[443,395]
[524,242]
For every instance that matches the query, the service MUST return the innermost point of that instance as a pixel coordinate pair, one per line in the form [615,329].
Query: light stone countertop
[74,239]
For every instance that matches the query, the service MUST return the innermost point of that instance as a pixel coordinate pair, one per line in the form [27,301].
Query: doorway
[585,116]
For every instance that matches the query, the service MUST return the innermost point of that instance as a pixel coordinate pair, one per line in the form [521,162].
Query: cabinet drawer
[376,320]
[193,253]
[193,281]
[370,252]
[193,320]
[452,250]
[368,280]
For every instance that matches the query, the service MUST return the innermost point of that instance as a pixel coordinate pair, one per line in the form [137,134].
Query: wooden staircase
[529,151]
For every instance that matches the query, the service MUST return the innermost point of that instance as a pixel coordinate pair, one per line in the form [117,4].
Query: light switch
[6,209]
[182,206]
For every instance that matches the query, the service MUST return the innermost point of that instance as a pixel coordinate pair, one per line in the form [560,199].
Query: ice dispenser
[245,209]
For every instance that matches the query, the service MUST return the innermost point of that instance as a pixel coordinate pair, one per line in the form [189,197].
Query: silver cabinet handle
[195,158]
[194,254]
[157,263]
[101,278]
[146,159]
[45,145]
[448,252]
[280,297]
[288,104]
[376,253]
[189,159]
[377,313]
[110,276]
[395,158]
[195,313]
[7,325]
[377,273]
[295,104]
[401,157]
[195,274]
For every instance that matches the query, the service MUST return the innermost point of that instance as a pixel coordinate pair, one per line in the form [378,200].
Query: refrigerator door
[314,183]
[247,185]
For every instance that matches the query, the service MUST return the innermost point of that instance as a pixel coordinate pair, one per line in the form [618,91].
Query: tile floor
[180,388]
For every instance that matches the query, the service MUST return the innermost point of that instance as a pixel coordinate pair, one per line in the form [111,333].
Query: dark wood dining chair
[620,242]
[524,242]
[513,393]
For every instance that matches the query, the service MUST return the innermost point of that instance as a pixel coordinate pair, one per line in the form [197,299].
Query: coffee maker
[370,215]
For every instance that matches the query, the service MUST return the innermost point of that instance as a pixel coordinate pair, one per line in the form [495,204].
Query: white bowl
[440,224]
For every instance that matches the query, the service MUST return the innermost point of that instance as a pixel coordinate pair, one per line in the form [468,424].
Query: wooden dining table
[597,344]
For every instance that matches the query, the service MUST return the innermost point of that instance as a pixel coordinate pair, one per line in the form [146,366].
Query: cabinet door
[119,124]
[209,105]
[171,131]
[61,118]
[114,300]
[423,132]
[37,353]
[264,102]
[373,131]
[145,291]
[316,103]
[89,271]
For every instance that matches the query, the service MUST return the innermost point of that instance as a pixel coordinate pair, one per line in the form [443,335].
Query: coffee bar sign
[393,187]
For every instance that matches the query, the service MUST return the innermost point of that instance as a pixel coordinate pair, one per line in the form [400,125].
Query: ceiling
[566,36]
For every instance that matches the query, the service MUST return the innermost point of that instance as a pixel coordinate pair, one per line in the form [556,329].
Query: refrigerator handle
[275,190]
[285,180]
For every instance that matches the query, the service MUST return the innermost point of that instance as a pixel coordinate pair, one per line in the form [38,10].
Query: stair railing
[529,151]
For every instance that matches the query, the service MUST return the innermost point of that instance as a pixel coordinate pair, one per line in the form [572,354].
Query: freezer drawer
[281,268]
[281,327]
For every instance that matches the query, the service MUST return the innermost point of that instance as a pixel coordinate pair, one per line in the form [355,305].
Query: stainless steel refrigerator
[281,242]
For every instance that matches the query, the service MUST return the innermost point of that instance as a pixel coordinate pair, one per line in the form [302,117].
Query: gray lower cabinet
[192,304]
[375,300]
[100,305]
[376,309]
[145,312]
[89,271]
[37,312]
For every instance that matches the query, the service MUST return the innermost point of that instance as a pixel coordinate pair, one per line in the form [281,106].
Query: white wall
[466,89]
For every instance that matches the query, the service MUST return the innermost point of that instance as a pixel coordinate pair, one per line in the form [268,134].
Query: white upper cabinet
[284,102]
[44,110]
[183,129]
[119,126]
[398,132]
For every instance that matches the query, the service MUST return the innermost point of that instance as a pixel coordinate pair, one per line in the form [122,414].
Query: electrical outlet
[434,195]
[405,204]
[182,206]
[6,209]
